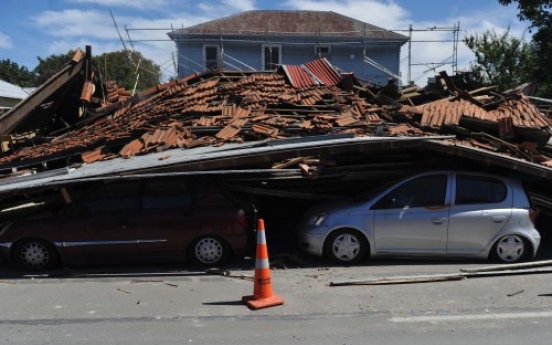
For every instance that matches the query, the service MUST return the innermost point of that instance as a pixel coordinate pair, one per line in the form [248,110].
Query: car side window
[166,194]
[112,197]
[479,190]
[423,191]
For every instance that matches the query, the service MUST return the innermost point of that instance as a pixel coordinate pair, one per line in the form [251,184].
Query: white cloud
[140,4]
[240,5]
[385,14]
[5,41]
[76,23]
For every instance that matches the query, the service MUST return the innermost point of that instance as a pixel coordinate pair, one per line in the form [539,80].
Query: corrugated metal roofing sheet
[298,77]
[323,71]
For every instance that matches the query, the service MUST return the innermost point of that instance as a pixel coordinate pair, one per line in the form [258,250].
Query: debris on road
[484,272]
[402,280]
[123,290]
[515,293]
[226,273]
[508,266]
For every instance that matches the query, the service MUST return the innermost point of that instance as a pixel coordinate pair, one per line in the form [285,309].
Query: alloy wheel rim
[35,254]
[510,248]
[209,250]
[346,247]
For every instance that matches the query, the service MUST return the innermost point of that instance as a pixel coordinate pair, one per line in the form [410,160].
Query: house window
[272,56]
[211,57]
[322,50]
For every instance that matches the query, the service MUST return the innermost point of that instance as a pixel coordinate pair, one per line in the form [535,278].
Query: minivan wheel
[209,251]
[510,249]
[35,254]
[346,246]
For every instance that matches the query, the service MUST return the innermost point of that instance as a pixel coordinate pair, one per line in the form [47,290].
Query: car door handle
[438,220]
[499,219]
[122,223]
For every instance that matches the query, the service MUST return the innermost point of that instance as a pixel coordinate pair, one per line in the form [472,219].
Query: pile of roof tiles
[311,99]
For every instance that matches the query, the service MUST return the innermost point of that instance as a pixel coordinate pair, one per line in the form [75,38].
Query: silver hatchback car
[438,214]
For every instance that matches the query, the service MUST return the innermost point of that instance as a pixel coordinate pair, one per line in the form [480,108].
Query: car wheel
[35,254]
[209,251]
[346,246]
[510,249]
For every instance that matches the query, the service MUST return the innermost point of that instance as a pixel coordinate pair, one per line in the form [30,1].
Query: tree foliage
[12,73]
[538,12]
[51,65]
[128,68]
[501,59]
[124,67]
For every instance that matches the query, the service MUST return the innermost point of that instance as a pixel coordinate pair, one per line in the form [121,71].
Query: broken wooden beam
[508,266]
[403,279]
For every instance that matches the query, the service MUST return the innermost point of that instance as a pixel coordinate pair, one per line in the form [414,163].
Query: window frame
[205,61]
[490,179]
[318,51]
[263,58]
[380,203]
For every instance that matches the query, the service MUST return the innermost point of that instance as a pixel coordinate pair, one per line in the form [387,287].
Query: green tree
[128,68]
[538,13]
[51,65]
[12,73]
[501,59]
[124,67]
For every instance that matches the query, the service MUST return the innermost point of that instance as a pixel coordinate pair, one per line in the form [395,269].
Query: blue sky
[44,27]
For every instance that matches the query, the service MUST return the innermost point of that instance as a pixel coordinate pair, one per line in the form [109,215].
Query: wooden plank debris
[505,267]
[402,280]
[484,272]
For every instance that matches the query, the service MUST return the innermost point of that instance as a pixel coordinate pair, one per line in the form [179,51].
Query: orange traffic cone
[262,291]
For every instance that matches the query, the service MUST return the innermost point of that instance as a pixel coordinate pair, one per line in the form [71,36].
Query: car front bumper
[312,240]
[5,252]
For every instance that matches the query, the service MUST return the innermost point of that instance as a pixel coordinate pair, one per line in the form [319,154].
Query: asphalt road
[182,304]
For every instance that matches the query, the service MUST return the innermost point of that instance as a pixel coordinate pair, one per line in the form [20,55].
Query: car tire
[510,249]
[35,255]
[346,246]
[208,251]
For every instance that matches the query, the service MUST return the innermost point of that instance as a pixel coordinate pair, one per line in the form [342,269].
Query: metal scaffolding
[268,37]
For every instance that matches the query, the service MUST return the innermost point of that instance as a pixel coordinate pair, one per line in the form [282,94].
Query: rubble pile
[220,107]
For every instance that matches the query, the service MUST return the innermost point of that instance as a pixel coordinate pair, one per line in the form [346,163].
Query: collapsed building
[301,132]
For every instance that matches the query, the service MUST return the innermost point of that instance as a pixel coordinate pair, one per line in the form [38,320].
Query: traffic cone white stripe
[262,263]
[261,238]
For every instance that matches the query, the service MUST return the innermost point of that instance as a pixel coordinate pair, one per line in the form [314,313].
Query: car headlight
[318,219]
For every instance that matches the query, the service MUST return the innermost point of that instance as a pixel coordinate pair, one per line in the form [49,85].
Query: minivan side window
[479,190]
[423,191]
[112,197]
[166,194]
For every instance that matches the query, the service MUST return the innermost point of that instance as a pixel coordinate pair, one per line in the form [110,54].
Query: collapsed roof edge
[17,114]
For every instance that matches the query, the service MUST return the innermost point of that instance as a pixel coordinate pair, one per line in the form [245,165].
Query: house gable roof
[304,23]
